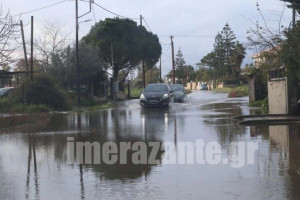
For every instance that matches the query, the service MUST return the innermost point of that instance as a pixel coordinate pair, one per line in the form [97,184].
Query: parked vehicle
[203,86]
[178,92]
[156,95]
[4,92]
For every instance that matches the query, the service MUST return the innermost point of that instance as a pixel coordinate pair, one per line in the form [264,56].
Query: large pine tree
[228,54]
[179,64]
[229,40]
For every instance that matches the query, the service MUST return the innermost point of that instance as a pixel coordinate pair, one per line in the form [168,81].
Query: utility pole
[24,48]
[143,62]
[31,58]
[294,17]
[77,55]
[160,80]
[173,59]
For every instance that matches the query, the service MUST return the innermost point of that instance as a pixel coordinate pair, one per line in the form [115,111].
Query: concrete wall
[252,90]
[278,98]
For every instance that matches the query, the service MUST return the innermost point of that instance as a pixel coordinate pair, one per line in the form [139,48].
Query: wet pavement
[33,157]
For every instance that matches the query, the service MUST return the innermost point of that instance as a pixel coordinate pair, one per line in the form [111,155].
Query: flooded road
[33,158]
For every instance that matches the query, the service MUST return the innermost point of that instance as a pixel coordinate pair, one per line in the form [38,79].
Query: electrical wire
[38,9]
[164,43]
[113,12]
[147,24]
[166,55]
[94,14]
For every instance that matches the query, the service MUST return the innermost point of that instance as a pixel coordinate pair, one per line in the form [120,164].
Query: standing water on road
[33,157]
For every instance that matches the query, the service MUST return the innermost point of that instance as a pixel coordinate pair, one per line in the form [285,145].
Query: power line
[94,14]
[114,12]
[165,43]
[147,24]
[151,31]
[203,36]
[166,55]
[38,9]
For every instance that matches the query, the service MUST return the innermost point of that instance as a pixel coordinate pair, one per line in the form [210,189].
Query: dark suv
[156,95]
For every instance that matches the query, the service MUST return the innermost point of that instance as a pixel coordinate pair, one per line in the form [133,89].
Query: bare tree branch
[9,33]
[53,40]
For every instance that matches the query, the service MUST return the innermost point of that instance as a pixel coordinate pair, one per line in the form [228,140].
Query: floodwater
[33,157]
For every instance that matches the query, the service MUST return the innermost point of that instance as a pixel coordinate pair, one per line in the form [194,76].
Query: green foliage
[19,108]
[44,91]
[11,105]
[94,107]
[294,3]
[127,42]
[225,60]
[179,65]
[240,91]
[263,104]
[183,72]
[135,92]
[291,51]
[63,67]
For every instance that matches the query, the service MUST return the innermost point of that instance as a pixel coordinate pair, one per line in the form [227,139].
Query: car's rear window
[177,87]
[156,88]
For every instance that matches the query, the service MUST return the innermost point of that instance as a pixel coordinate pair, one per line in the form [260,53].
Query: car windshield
[3,91]
[156,88]
[176,87]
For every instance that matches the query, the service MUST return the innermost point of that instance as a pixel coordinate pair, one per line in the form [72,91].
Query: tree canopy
[123,44]
[294,3]
[226,58]
[291,51]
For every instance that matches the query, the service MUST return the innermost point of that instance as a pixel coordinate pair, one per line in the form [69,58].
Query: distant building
[269,57]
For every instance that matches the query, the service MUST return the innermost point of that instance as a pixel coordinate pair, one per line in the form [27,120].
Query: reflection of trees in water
[151,130]
[109,125]
[222,119]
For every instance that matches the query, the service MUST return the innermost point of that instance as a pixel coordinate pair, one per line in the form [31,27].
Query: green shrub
[240,91]
[44,91]
[263,104]
[19,108]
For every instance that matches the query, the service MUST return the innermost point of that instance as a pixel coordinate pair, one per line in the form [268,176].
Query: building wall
[277,95]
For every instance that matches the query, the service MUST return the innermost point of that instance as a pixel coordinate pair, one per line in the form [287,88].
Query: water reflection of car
[179,92]
[156,95]
[4,92]
[203,86]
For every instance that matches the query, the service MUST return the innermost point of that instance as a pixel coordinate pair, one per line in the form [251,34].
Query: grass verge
[240,91]
[94,107]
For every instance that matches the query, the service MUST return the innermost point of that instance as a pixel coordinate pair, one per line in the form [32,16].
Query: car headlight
[165,96]
[142,97]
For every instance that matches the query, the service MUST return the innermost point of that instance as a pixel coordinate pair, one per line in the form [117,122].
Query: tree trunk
[115,85]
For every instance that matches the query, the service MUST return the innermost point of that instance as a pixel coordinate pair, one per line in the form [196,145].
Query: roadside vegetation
[240,91]
[94,108]
[263,104]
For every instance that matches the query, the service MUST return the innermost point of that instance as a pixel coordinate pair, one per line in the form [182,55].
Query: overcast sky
[194,23]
